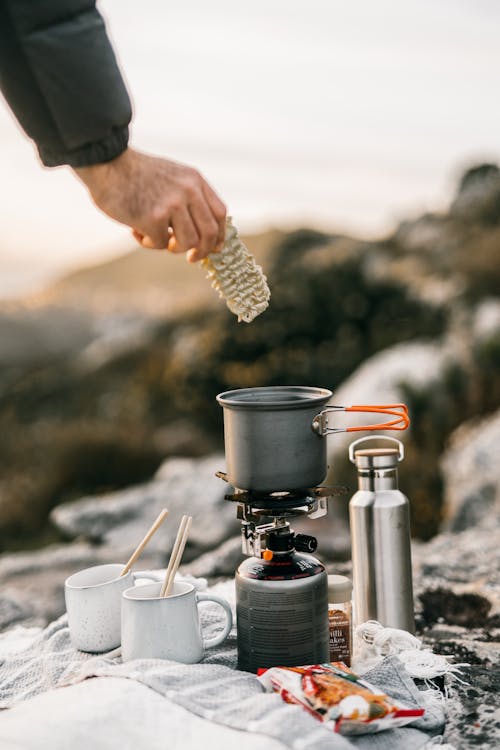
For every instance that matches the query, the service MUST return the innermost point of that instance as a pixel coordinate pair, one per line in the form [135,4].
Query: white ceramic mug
[93,602]
[155,627]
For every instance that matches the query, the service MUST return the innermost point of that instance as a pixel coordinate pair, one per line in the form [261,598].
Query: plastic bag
[335,695]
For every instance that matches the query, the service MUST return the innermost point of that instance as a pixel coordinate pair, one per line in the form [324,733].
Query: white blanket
[112,713]
[44,682]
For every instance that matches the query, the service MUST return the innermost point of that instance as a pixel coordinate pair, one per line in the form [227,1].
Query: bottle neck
[378,479]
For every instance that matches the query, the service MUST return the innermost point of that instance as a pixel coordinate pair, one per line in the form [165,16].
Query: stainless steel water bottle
[380,537]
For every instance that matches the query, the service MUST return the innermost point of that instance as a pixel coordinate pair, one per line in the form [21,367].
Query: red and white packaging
[335,695]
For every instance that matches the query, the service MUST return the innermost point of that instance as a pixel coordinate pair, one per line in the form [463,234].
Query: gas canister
[282,605]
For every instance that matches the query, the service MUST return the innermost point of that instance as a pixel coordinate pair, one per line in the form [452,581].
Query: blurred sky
[348,115]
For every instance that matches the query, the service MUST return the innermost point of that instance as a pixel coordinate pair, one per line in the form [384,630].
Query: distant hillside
[107,397]
[147,281]
[99,299]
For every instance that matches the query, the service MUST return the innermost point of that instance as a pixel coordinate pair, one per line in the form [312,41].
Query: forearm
[59,74]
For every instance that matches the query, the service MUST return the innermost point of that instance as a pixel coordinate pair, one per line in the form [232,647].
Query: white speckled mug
[155,627]
[93,602]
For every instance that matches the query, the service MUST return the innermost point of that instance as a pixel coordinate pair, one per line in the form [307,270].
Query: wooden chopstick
[154,528]
[176,556]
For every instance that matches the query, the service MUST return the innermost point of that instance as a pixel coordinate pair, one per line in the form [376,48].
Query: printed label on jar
[340,646]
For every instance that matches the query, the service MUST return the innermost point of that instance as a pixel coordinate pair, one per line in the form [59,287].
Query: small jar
[340,618]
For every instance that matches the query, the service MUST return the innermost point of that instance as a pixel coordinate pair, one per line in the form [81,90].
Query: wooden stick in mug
[154,528]
[173,554]
[176,556]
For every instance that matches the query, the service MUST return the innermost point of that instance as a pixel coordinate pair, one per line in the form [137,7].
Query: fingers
[145,240]
[153,235]
[188,215]
[218,211]
[185,231]
[207,227]
[198,228]
[208,214]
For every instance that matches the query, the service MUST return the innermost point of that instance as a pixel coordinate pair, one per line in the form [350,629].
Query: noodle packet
[336,696]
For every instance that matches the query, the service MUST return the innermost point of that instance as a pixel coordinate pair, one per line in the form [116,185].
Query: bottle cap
[339,589]
[386,457]
[377,458]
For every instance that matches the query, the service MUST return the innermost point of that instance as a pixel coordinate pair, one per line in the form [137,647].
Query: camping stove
[275,442]
[265,513]
[281,589]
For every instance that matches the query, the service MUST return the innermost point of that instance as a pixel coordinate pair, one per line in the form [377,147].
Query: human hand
[168,205]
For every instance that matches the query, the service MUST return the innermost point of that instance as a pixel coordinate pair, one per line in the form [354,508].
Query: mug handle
[217,639]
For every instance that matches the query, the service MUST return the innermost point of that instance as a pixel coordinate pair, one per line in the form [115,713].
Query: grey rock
[486,320]
[467,609]
[116,334]
[464,563]
[426,233]
[471,472]
[473,709]
[457,586]
[379,377]
[462,557]
[32,583]
[120,519]
[16,565]
[108,529]
[478,196]
[220,562]
[377,380]
[479,646]
[35,334]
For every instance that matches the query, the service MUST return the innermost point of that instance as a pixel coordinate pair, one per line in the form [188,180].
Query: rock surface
[456,577]
[32,583]
[478,195]
[31,335]
[379,379]
[109,527]
[472,474]
[473,710]
[217,563]
[457,588]
[181,485]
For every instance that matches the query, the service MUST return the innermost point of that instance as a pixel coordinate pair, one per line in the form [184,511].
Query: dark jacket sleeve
[59,75]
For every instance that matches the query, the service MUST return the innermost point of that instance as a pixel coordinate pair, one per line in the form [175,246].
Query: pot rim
[274,397]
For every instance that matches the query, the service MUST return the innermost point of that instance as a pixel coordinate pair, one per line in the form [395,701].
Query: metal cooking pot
[275,436]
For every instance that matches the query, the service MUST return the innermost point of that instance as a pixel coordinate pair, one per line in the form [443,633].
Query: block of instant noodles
[237,278]
[335,695]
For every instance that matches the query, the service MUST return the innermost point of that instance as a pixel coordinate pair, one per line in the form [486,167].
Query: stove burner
[270,500]
[282,498]
[253,508]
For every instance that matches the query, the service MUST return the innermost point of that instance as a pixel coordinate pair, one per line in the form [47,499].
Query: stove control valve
[305,543]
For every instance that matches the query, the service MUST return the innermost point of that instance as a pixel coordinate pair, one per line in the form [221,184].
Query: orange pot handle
[399,411]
